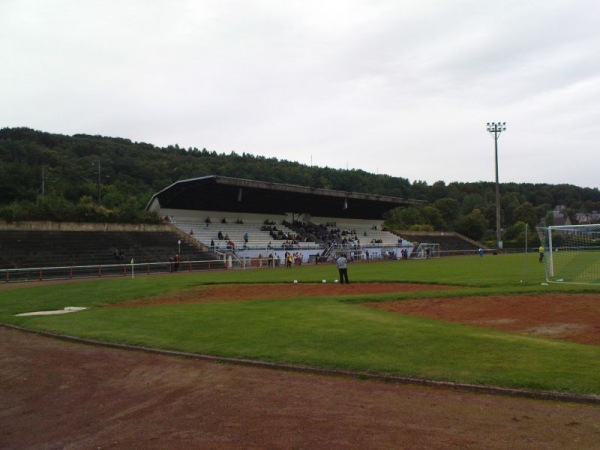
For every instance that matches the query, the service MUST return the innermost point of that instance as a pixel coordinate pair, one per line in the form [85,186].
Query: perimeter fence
[106,270]
[226,261]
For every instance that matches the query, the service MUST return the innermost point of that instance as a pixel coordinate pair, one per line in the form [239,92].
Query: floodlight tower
[495,128]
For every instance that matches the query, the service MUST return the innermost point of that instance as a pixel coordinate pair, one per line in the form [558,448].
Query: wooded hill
[46,176]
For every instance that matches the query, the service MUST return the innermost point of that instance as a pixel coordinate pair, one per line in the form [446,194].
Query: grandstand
[220,212]
[315,223]
[229,220]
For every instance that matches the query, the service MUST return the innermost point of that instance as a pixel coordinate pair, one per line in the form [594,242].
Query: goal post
[571,253]
[426,250]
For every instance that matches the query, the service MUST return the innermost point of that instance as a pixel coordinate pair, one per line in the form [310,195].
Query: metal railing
[226,261]
[106,270]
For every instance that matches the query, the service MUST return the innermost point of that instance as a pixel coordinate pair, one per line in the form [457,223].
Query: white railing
[106,270]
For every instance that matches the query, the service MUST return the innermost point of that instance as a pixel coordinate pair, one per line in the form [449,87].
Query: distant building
[584,218]
[560,215]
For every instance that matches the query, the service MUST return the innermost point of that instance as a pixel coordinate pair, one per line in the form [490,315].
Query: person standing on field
[342,265]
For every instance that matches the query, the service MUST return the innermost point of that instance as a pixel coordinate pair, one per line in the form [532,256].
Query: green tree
[472,225]
[449,209]
[132,172]
[438,190]
[526,213]
[434,218]
[471,202]
[509,202]
[404,218]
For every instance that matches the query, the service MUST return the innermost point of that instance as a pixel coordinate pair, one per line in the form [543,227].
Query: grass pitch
[333,332]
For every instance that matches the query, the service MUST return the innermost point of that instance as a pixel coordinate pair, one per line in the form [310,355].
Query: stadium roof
[217,193]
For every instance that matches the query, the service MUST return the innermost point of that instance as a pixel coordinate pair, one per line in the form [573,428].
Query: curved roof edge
[215,192]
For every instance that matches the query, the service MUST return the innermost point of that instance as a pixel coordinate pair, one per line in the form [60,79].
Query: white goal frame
[426,250]
[571,253]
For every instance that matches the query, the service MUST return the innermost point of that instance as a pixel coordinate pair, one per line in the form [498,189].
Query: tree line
[46,176]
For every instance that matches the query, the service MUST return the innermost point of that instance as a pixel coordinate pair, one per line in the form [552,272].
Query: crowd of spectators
[345,237]
[291,238]
[118,254]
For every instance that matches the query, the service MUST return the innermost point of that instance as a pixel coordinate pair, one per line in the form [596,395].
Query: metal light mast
[495,128]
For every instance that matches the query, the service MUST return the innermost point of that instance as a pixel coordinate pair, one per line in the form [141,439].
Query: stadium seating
[28,248]
[235,226]
[191,235]
[450,242]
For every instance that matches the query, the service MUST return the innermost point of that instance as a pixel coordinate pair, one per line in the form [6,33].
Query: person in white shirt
[342,265]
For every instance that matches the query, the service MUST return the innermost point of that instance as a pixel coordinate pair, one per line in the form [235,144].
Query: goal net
[426,250]
[571,253]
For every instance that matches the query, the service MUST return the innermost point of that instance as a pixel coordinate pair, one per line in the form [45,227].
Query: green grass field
[576,266]
[332,332]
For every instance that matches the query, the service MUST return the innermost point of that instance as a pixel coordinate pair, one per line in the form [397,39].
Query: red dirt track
[57,394]
[570,317]
[280,291]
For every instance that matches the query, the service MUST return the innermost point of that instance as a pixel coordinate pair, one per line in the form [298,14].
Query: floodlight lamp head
[496,127]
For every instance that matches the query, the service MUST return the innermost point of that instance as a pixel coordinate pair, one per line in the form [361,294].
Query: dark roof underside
[215,193]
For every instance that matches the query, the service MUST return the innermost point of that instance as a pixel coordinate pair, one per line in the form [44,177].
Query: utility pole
[99,183]
[495,128]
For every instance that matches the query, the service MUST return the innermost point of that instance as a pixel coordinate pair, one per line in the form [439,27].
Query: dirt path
[64,395]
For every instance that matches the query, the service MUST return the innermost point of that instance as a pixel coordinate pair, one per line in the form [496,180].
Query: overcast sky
[398,87]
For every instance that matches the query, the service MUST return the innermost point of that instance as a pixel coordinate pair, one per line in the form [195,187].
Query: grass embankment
[333,332]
